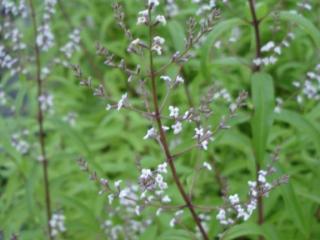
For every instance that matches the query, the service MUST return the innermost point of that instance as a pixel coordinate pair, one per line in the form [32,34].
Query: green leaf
[302,124]
[294,209]
[263,101]
[303,23]
[177,35]
[220,29]
[175,235]
[245,229]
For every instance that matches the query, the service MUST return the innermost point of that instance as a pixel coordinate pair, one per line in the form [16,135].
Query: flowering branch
[255,23]
[163,138]
[40,119]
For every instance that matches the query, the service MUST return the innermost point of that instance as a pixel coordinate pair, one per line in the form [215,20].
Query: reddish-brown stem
[256,23]
[40,119]
[163,139]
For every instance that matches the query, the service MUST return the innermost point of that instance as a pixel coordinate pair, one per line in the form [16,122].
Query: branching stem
[163,138]
[255,24]
[40,119]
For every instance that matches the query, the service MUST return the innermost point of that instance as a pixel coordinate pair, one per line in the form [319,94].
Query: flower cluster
[309,88]
[73,45]
[274,49]
[46,102]
[45,38]
[57,224]
[234,210]
[20,143]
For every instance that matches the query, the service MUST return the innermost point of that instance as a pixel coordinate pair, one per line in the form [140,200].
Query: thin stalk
[217,173]
[40,119]
[255,23]
[163,138]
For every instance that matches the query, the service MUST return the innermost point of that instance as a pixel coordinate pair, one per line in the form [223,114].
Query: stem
[40,119]
[163,138]
[255,23]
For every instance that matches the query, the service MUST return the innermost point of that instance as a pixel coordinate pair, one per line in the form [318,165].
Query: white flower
[153,3]
[166,78]
[122,101]
[150,133]
[217,44]
[204,144]
[233,107]
[134,43]
[262,176]
[141,20]
[179,79]
[142,17]
[137,210]
[108,107]
[162,168]
[257,61]
[166,199]
[145,173]
[207,166]
[159,210]
[268,46]
[57,224]
[272,60]
[174,112]
[157,44]
[172,222]
[45,37]
[117,183]
[159,178]
[277,50]
[221,216]
[234,199]
[46,102]
[161,19]
[199,132]
[163,185]
[110,198]
[177,128]
[158,40]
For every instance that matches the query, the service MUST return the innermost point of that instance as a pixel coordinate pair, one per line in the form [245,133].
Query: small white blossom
[166,199]
[145,173]
[234,199]
[179,79]
[262,176]
[277,50]
[174,112]
[177,128]
[122,101]
[166,78]
[268,46]
[142,17]
[57,224]
[162,168]
[150,133]
[110,198]
[207,166]
[154,3]
[117,183]
[199,132]
[161,19]
[46,102]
